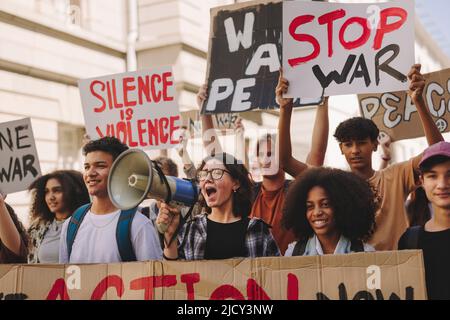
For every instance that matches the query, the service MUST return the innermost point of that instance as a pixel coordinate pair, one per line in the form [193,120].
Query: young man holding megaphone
[99,232]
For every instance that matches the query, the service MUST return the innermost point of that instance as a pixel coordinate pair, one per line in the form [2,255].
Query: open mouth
[210,190]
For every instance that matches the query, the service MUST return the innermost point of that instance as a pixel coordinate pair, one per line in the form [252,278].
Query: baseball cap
[438,149]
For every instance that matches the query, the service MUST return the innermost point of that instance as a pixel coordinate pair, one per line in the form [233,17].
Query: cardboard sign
[244,57]
[221,122]
[336,48]
[19,162]
[375,276]
[139,108]
[395,114]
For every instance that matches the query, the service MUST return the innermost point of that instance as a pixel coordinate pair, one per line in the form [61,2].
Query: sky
[435,15]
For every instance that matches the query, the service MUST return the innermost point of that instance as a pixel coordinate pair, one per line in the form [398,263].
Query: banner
[244,57]
[139,108]
[19,162]
[395,114]
[395,275]
[335,48]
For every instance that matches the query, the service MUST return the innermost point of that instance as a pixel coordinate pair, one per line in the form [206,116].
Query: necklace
[58,223]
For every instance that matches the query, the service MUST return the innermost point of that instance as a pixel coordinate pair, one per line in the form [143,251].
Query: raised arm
[287,162]
[188,164]
[430,129]
[9,235]
[385,144]
[319,140]
[209,136]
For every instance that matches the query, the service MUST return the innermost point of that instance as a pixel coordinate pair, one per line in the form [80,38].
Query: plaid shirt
[258,240]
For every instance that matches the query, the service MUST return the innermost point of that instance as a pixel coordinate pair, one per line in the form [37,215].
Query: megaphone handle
[163,178]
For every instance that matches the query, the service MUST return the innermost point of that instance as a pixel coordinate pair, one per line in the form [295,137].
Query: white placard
[19,162]
[139,108]
[347,48]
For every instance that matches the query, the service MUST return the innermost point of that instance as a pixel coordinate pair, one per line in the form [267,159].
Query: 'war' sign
[244,57]
[19,163]
[336,48]
[395,114]
[139,108]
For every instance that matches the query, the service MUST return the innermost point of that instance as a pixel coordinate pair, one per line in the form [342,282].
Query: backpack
[123,231]
[300,246]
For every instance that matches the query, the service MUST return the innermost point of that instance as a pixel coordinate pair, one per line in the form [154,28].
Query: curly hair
[19,226]
[350,197]
[242,198]
[74,190]
[356,128]
[110,145]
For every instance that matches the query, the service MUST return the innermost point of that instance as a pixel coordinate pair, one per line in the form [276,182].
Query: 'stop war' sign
[336,48]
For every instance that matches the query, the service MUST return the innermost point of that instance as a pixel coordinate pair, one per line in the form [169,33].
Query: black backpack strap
[357,246]
[412,237]
[74,224]
[123,235]
[163,180]
[299,248]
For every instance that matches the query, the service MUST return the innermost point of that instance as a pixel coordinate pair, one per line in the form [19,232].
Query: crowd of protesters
[322,211]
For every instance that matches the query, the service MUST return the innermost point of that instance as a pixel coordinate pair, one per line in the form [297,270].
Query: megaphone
[134,178]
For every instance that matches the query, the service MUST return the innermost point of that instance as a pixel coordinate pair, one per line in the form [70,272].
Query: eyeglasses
[216,174]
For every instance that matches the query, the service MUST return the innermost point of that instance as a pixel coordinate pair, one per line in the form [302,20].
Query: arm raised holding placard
[430,129]
[319,138]
[11,247]
[209,136]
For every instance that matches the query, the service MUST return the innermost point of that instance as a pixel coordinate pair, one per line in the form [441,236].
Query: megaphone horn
[134,178]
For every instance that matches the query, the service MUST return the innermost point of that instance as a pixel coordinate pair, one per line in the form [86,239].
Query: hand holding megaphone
[168,221]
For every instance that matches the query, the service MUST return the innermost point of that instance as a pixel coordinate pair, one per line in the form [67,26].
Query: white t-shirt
[95,241]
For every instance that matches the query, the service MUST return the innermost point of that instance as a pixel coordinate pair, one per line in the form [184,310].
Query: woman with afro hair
[330,211]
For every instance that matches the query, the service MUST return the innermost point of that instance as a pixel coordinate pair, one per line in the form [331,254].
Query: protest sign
[19,162]
[335,48]
[221,122]
[371,276]
[396,115]
[244,57]
[139,108]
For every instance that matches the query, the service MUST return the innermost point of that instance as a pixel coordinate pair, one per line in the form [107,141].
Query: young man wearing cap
[434,237]
[357,139]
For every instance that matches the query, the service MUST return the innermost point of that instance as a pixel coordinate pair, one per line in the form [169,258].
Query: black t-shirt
[225,240]
[436,254]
